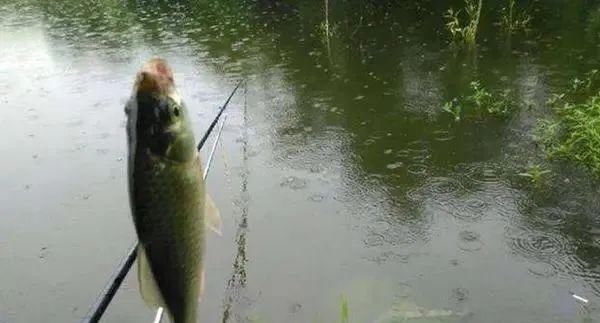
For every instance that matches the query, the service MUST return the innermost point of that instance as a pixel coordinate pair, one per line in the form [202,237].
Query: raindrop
[460,294]
[43,252]
[469,241]
[394,165]
[541,269]
[417,169]
[317,197]
[294,183]
[295,308]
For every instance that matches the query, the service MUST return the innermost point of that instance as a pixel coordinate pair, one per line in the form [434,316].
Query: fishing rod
[96,312]
[212,125]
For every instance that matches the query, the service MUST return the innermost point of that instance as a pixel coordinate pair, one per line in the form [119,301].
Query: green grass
[512,20]
[480,104]
[464,32]
[535,174]
[580,136]
[574,132]
[453,108]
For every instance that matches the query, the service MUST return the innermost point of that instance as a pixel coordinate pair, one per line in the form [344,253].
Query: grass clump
[464,33]
[513,21]
[574,133]
[480,104]
[535,175]
[488,104]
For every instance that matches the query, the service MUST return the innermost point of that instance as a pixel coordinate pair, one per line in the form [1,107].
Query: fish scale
[167,203]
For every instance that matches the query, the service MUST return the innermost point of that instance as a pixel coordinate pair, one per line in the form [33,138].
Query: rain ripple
[442,135]
[294,183]
[436,188]
[469,210]
[489,175]
[551,216]
[537,245]
[469,241]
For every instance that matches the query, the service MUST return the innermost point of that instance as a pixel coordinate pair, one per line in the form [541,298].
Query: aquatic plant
[535,174]
[487,103]
[464,33]
[580,135]
[344,314]
[546,133]
[513,21]
[480,103]
[574,133]
[453,108]
[326,29]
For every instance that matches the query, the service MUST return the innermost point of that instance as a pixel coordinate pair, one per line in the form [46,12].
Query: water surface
[338,173]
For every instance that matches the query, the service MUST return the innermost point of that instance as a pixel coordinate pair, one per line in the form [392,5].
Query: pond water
[338,175]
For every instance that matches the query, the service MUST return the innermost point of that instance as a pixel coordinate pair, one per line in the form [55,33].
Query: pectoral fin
[148,287]
[212,216]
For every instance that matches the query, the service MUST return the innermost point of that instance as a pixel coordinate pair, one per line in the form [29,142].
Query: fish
[170,207]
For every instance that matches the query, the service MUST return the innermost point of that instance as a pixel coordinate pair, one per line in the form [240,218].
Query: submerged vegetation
[480,104]
[574,132]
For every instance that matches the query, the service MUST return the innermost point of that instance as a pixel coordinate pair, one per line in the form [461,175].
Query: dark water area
[344,177]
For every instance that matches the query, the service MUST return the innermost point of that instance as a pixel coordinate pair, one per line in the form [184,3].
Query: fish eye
[176,111]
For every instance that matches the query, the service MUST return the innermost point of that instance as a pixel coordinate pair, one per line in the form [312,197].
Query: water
[344,177]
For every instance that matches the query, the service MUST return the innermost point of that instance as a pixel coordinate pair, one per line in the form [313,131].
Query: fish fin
[212,215]
[148,287]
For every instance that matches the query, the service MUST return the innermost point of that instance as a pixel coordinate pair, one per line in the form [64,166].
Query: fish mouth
[155,77]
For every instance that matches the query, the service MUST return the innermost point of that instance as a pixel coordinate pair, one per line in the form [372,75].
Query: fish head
[157,118]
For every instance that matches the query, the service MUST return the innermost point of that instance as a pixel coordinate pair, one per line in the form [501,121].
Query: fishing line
[238,278]
[212,124]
